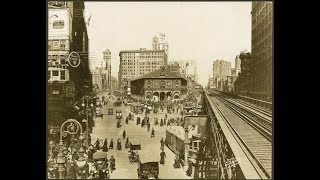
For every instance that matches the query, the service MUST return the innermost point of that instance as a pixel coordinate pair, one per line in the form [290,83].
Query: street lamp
[74,130]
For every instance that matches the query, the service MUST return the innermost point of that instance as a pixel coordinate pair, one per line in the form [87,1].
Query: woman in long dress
[127,143]
[105,145]
[111,144]
[97,144]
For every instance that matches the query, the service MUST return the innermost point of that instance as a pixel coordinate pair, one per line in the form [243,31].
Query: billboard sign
[58,22]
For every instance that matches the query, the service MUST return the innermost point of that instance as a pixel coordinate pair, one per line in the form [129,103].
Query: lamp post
[71,129]
[87,120]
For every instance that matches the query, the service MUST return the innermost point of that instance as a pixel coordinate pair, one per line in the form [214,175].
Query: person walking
[189,170]
[97,144]
[162,156]
[152,133]
[112,163]
[119,144]
[124,134]
[161,122]
[111,144]
[105,145]
[127,144]
[149,126]
[162,143]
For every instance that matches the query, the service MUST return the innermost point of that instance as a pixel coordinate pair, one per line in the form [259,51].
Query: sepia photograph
[159,90]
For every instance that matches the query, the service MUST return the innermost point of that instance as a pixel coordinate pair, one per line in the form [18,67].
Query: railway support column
[186,145]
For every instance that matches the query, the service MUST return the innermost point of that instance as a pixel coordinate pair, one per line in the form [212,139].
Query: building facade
[221,69]
[174,67]
[136,63]
[107,66]
[97,78]
[261,33]
[243,84]
[67,33]
[188,68]
[160,43]
[160,85]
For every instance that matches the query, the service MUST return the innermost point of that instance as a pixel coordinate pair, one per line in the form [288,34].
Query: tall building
[237,62]
[67,35]
[188,68]
[135,63]
[261,33]
[221,69]
[160,43]
[97,78]
[155,43]
[174,67]
[107,67]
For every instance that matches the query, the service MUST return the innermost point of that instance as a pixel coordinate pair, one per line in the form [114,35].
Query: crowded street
[150,147]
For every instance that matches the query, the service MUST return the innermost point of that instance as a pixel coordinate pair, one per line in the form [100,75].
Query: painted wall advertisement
[58,22]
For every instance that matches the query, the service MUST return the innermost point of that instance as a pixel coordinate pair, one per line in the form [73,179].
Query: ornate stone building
[159,85]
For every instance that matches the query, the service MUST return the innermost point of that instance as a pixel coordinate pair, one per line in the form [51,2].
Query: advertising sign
[74,59]
[58,22]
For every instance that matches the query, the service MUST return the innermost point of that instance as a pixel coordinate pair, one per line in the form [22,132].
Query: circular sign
[74,59]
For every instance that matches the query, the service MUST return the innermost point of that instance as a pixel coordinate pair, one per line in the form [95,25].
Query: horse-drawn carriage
[133,152]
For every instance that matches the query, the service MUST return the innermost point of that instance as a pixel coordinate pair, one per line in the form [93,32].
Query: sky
[203,31]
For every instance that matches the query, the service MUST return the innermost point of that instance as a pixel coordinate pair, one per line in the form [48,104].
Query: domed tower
[155,43]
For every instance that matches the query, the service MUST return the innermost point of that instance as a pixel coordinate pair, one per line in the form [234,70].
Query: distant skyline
[203,31]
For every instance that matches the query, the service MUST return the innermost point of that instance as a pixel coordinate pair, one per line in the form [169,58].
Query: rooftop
[179,132]
[162,74]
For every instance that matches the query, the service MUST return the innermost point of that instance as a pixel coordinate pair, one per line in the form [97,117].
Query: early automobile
[118,114]
[148,170]
[133,152]
[148,167]
[101,165]
[110,111]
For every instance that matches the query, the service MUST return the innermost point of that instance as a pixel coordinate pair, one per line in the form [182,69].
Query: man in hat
[148,126]
[112,163]
[162,143]
[152,133]
[162,156]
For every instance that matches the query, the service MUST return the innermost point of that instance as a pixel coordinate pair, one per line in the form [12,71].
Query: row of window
[141,57]
[58,75]
[58,44]
[61,59]
[142,63]
[142,54]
